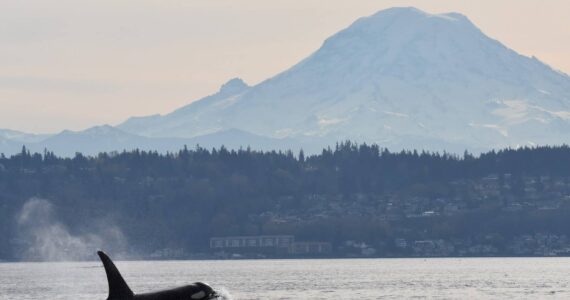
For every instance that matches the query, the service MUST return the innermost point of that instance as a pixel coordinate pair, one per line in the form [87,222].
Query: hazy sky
[74,64]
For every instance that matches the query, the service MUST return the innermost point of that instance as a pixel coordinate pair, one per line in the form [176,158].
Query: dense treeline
[181,199]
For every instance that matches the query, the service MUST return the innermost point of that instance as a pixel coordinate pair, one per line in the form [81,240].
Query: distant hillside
[106,138]
[143,202]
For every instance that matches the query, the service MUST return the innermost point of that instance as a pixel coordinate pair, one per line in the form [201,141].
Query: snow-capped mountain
[400,78]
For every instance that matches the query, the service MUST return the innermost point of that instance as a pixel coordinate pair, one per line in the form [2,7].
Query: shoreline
[284,259]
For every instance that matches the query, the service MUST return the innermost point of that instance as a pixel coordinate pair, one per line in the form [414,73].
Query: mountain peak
[398,18]
[233,86]
[400,29]
[407,10]
[408,13]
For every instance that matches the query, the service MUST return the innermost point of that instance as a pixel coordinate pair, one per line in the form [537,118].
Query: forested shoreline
[352,192]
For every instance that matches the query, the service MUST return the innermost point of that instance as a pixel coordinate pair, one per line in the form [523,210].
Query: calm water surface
[471,278]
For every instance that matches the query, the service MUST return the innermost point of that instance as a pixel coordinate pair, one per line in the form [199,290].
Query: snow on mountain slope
[197,114]
[398,77]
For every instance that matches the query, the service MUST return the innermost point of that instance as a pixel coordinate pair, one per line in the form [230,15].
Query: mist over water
[224,294]
[44,238]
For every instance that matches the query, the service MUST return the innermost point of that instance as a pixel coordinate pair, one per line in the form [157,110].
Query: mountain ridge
[106,138]
[401,78]
[399,72]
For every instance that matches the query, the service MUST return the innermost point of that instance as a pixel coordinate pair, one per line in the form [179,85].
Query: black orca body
[119,290]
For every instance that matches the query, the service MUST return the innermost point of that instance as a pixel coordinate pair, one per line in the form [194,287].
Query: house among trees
[269,244]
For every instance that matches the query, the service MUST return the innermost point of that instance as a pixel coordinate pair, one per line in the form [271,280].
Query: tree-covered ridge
[182,199]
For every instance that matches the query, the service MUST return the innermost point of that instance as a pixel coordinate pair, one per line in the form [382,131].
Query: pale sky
[73,64]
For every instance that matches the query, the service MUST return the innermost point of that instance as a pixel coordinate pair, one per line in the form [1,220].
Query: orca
[119,290]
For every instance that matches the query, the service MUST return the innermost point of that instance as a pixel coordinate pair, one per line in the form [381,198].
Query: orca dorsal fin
[118,288]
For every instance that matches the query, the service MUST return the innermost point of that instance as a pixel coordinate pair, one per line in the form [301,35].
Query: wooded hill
[182,199]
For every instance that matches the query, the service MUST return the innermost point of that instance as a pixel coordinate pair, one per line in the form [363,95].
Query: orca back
[118,288]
